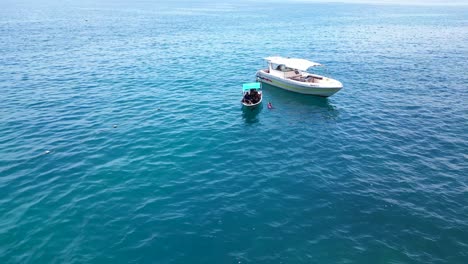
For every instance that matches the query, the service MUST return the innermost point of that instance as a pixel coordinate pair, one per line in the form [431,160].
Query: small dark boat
[252,94]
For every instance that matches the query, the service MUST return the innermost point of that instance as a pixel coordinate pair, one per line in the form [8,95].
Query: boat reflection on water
[300,103]
[250,115]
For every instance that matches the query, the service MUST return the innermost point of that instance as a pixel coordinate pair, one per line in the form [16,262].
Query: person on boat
[254,95]
[247,98]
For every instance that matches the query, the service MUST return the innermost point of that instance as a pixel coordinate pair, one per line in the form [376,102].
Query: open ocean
[123,140]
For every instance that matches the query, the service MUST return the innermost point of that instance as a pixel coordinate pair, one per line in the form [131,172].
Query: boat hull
[297,87]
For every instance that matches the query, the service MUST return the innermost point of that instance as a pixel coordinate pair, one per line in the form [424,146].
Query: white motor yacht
[291,74]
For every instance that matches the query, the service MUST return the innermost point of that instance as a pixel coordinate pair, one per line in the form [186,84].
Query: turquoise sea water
[122,137]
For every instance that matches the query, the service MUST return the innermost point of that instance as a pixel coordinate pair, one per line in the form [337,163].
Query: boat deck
[306,79]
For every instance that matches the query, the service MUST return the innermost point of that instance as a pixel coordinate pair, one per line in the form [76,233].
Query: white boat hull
[326,89]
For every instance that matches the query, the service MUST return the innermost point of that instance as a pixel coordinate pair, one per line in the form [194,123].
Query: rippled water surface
[122,137]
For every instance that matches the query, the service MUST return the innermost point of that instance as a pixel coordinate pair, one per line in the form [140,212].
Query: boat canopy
[300,64]
[248,86]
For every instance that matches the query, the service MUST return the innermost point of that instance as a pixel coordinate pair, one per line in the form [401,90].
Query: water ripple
[122,138]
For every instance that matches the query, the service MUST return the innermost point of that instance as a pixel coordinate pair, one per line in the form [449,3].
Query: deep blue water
[122,137]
